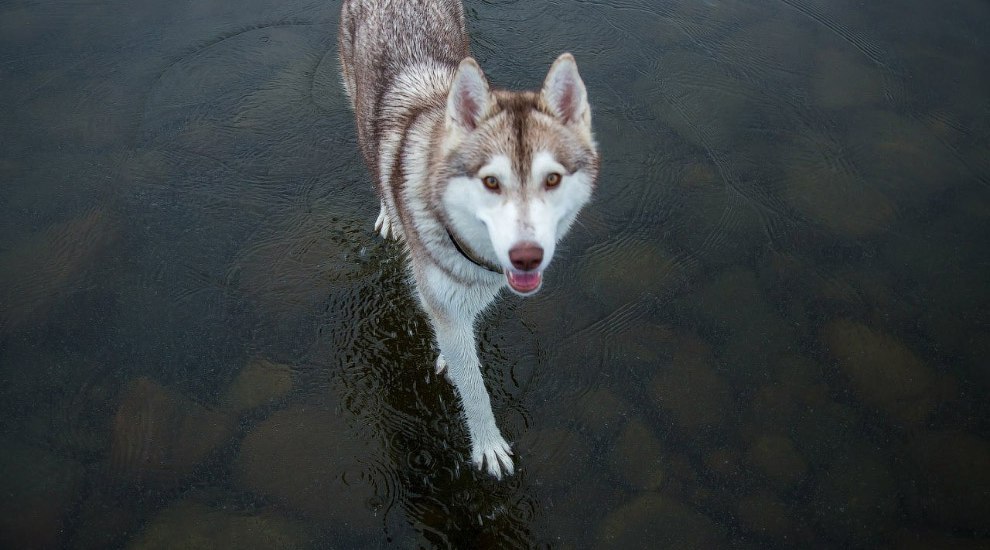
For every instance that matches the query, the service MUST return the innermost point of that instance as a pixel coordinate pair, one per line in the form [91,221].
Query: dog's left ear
[564,92]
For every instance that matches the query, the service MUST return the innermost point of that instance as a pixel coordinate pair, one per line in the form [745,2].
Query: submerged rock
[708,224]
[160,437]
[639,458]
[825,186]
[192,525]
[309,460]
[260,382]
[690,390]
[776,457]
[653,520]
[900,157]
[882,370]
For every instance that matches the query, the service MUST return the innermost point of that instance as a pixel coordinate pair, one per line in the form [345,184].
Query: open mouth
[524,282]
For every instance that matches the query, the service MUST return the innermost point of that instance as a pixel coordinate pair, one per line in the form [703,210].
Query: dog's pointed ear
[469,97]
[564,92]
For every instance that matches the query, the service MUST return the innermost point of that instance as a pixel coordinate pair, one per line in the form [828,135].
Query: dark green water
[769,329]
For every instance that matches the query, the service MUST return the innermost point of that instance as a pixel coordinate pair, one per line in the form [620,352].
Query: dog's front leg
[384,225]
[489,450]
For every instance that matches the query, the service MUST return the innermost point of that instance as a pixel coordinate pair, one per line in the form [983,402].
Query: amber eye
[553,179]
[491,182]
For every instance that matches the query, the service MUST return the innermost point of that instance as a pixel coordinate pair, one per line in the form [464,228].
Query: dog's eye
[553,179]
[491,182]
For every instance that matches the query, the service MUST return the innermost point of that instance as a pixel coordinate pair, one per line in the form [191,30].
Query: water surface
[769,329]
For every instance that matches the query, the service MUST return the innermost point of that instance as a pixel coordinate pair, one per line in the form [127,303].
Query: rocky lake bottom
[769,328]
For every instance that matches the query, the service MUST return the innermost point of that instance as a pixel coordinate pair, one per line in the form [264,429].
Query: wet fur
[429,129]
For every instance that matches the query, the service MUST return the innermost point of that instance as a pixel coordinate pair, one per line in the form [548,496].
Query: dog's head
[520,166]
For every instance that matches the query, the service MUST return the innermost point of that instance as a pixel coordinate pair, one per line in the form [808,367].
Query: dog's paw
[383,225]
[441,364]
[493,456]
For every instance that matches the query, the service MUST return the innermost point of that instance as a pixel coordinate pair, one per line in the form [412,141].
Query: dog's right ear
[469,98]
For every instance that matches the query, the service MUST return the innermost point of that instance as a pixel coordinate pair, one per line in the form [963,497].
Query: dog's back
[388,36]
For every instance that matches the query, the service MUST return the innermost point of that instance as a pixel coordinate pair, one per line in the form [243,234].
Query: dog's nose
[526,256]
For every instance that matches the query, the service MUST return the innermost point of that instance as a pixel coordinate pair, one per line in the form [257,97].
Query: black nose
[526,256]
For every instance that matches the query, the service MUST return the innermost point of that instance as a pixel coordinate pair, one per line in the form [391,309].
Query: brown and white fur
[479,184]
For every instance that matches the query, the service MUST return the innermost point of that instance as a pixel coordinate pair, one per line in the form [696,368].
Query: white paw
[492,455]
[441,364]
[383,225]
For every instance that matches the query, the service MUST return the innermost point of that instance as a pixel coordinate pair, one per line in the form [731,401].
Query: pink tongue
[524,282]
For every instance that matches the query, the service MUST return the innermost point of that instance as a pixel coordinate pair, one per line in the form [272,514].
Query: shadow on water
[769,329]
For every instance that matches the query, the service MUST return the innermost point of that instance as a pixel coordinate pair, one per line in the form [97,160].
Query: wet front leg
[458,356]
[383,225]
[386,225]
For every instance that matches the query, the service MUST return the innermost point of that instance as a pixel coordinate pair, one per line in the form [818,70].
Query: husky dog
[478,183]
